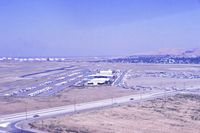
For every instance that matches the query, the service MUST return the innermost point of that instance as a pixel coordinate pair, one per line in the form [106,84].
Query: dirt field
[74,95]
[180,113]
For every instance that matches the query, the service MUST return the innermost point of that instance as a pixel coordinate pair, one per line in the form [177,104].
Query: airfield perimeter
[12,72]
[137,79]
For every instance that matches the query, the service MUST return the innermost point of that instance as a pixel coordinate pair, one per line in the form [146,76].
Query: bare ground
[180,113]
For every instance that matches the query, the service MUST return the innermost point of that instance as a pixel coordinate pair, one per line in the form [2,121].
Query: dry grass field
[71,96]
[180,113]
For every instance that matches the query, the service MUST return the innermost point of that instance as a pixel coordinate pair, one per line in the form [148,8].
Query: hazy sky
[96,27]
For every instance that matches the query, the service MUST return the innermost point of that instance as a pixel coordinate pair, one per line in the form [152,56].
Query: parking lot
[49,84]
[161,79]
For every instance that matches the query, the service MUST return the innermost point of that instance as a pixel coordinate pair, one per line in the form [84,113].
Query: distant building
[103,77]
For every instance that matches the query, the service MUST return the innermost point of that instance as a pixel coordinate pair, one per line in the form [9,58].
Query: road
[119,78]
[12,118]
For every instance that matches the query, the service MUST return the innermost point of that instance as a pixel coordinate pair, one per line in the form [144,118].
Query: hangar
[103,77]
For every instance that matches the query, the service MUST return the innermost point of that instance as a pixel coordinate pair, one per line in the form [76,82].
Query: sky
[34,28]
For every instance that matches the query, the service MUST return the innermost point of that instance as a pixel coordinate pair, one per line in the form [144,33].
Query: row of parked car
[45,83]
[16,92]
[35,93]
[167,74]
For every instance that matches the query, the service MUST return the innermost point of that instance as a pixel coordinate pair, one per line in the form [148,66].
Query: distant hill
[165,56]
[195,52]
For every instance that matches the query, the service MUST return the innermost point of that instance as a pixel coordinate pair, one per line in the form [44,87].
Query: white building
[103,77]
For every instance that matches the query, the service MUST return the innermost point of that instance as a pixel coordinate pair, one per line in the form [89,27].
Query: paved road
[119,78]
[79,107]
[13,118]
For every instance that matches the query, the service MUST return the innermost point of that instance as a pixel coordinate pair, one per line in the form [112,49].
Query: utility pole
[42,124]
[184,86]
[26,110]
[140,96]
[75,105]
[112,100]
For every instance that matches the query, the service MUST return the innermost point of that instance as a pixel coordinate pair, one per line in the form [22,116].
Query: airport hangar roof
[98,80]
[100,74]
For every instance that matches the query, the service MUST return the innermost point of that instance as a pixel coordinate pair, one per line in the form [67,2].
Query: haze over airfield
[96,27]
